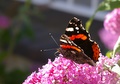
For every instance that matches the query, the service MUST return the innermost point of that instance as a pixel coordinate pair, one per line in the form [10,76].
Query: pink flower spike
[108,38]
[65,71]
[112,21]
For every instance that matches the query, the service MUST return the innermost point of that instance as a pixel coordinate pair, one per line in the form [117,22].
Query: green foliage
[89,22]
[19,28]
[103,6]
[14,77]
[108,5]
[4,37]
[3,54]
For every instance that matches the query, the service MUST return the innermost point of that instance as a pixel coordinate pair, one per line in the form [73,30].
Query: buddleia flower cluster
[65,71]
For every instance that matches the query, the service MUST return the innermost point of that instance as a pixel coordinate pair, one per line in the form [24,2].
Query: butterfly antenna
[53,39]
[48,50]
[52,48]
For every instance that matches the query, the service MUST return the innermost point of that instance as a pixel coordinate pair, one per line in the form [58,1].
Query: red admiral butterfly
[77,45]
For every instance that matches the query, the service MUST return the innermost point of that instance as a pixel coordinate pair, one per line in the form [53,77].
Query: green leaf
[89,22]
[109,54]
[108,5]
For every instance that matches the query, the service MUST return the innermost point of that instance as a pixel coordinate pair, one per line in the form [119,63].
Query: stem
[116,48]
[13,41]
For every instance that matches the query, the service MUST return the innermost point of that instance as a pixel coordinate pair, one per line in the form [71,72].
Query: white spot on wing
[70,29]
[77,31]
[76,28]
[64,41]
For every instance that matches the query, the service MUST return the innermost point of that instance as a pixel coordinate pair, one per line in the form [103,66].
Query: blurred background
[24,30]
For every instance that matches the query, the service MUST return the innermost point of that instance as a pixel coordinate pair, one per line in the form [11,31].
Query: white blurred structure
[84,8]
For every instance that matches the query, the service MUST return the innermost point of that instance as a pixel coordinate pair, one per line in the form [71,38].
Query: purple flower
[108,38]
[112,21]
[65,71]
[4,21]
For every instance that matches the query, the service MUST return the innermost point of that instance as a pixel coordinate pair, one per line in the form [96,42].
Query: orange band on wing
[96,51]
[79,36]
[70,47]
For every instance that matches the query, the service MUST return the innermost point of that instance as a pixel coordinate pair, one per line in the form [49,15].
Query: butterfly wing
[77,33]
[73,52]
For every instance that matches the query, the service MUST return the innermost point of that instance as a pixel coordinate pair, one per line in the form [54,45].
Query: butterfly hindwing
[71,51]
